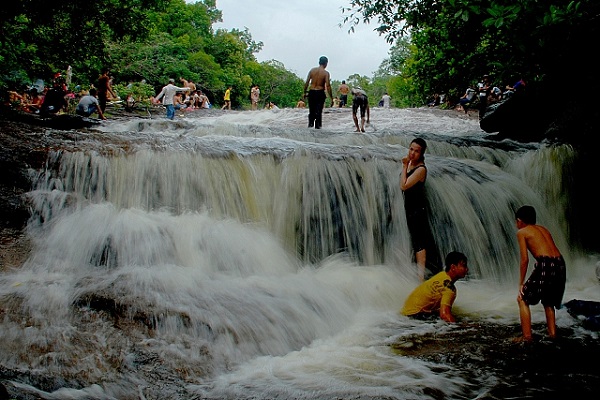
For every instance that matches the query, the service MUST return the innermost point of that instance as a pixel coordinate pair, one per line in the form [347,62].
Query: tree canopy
[139,41]
[455,42]
[439,46]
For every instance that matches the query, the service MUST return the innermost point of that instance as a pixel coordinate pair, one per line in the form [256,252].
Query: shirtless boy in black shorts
[547,281]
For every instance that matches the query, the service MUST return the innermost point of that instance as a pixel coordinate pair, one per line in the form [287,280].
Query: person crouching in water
[89,105]
[435,296]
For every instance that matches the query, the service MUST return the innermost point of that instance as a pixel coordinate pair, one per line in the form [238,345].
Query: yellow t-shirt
[227,95]
[430,295]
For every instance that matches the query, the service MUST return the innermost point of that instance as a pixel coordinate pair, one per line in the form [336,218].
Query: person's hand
[405,161]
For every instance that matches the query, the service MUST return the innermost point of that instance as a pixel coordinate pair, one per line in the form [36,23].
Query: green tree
[394,76]
[41,37]
[276,83]
[457,41]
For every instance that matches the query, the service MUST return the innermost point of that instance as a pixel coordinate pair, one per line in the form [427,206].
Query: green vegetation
[143,43]
[439,46]
[454,42]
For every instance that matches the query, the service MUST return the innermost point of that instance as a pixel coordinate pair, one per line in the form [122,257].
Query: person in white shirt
[386,100]
[166,94]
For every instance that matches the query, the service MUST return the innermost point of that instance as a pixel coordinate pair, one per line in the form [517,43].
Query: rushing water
[244,256]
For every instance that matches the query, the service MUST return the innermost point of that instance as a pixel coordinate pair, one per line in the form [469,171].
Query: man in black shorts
[547,281]
[360,100]
[343,90]
[318,80]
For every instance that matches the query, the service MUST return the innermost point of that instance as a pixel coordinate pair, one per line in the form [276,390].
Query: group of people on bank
[55,99]
[485,93]
[435,296]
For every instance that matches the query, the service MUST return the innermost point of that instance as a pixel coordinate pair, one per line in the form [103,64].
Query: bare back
[344,89]
[538,241]
[318,77]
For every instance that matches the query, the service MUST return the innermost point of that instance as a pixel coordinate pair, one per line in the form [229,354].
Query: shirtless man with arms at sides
[319,81]
[343,90]
[547,280]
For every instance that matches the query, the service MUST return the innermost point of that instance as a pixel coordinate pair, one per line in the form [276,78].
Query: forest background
[439,46]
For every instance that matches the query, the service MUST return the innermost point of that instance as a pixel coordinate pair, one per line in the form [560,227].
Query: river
[241,255]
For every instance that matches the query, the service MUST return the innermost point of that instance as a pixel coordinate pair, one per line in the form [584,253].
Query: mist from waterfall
[246,256]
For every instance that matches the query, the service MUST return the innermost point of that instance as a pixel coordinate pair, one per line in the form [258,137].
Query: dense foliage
[455,42]
[439,46]
[142,42]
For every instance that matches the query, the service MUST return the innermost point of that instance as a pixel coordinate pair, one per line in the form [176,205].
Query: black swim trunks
[360,101]
[546,283]
[343,100]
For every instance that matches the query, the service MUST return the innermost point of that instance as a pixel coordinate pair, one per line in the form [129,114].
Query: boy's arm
[524,257]
[446,313]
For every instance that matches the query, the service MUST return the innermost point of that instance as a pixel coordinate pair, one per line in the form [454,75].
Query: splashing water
[241,255]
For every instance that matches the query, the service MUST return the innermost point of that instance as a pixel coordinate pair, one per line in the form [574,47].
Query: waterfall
[318,204]
[244,256]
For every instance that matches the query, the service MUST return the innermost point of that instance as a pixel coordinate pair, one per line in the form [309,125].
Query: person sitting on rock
[89,105]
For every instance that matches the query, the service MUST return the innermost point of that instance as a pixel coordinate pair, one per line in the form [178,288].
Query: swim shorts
[546,283]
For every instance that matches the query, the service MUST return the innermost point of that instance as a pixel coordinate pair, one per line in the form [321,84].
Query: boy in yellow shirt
[437,294]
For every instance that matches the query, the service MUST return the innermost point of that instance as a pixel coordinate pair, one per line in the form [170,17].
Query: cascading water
[244,256]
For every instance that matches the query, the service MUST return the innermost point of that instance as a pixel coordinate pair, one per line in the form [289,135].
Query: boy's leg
[525,315]
[551,321]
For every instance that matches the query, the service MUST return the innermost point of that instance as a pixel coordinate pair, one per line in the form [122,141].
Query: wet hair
[323,60]
[454,257]
[93,91]
[526,214]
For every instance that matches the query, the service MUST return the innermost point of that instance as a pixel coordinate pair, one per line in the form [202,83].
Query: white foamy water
[241,255]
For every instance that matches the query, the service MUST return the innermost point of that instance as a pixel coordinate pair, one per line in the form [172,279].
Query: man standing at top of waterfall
[167,94]
[319,81]
[547,280]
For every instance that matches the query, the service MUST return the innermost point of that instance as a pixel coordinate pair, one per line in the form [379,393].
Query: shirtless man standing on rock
[319,81]
[343,90]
